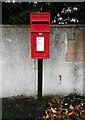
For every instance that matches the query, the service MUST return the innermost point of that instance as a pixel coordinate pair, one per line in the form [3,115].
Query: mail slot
[40,34]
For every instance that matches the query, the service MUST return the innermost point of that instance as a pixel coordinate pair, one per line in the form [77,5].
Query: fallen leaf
[50,104]
[70,113]
[53,110]
[47,114]
[71,107]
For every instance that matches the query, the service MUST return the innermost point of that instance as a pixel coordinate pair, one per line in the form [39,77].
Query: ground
[71,107]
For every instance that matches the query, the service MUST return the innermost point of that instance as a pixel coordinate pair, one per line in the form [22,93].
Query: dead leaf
[50,104]
[47,114]
[53,110]
[70,113]
[71,107]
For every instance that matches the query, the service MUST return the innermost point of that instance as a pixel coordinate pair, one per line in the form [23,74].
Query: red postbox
[40,34]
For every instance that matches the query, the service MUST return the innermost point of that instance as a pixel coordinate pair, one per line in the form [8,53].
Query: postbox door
[40,45]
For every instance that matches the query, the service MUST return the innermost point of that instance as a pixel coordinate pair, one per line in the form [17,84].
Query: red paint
[40,27]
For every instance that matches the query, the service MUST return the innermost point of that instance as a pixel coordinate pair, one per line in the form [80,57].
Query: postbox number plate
[39,44]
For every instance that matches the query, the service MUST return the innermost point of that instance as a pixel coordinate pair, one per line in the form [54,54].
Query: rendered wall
[62,75]
[63,72]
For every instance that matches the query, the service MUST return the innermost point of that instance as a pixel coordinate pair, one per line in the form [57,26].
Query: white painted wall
[19,71]
[71,72]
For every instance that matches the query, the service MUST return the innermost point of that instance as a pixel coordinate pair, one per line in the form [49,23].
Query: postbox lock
[40,33]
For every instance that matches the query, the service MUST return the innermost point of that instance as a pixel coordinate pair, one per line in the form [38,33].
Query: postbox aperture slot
[35,22]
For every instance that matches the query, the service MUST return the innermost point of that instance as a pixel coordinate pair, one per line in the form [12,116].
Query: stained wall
[62,73]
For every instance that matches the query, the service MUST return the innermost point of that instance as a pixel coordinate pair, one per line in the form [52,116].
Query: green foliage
[19,13]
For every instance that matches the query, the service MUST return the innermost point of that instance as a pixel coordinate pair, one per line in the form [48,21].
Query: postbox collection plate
[40,44]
